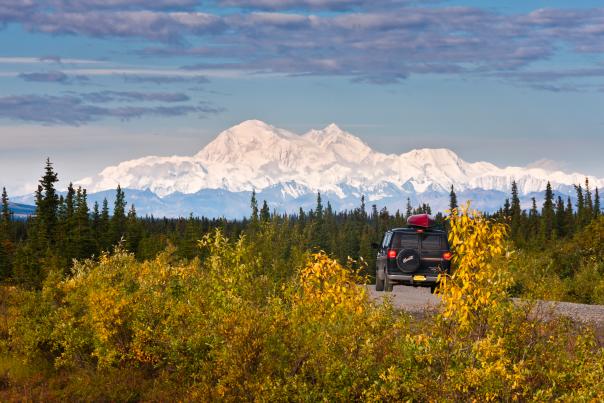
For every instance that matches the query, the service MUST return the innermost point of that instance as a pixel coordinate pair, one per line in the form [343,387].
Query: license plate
[419,278]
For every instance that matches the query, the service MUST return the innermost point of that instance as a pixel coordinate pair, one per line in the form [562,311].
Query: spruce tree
[96,221]
[384,221]
[597,208]
[5,216]
[589,204]
[570,218]
[189,246]
[516,213]
[104,227]
[329,209]
[69,230]
[581,219]
[375,219]
[408,209]
[265,212]
[84,236]
[362,209]
[507,211]
[548,213]
[319,207]
[134,231]
[118,221]
[254,207]
[47,204]
[533,219]
[560,221]
[320,233]
[452,201]
[5,238]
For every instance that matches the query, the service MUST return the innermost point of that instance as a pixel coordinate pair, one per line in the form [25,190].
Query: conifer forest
[113,306]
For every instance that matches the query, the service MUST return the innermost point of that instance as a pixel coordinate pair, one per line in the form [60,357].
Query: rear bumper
[408,279]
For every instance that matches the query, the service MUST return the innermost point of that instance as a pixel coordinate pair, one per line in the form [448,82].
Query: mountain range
[288,169]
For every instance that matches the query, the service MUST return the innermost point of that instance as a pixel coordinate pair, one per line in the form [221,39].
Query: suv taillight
[447,255]
[391,254]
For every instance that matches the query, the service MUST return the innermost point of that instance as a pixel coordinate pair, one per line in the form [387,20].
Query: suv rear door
[382,254]
[433,245]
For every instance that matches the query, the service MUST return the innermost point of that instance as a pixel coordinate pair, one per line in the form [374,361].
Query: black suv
[412,256]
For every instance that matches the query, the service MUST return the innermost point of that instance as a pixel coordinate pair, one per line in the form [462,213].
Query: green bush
[238,326]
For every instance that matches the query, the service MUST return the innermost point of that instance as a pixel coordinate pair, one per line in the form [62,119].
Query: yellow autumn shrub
[477,283]
[230,327]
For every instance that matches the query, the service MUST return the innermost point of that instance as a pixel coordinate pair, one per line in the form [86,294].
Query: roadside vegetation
[556,249]
[232,327]
[217,310]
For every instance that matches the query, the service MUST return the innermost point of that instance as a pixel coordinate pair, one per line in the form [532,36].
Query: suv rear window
[404,241]
[431,242]
[401,240]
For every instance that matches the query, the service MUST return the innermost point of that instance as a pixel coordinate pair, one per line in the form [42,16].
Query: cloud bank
[370,41]
[80,109]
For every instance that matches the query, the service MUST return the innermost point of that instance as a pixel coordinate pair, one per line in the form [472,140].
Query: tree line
[556,218]
[64,228]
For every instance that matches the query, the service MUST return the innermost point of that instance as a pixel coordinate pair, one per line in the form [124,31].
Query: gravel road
[419,300]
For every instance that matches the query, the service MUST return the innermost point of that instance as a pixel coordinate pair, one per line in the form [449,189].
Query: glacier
[288,169]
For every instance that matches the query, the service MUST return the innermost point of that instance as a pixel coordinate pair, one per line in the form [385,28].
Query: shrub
[231,328]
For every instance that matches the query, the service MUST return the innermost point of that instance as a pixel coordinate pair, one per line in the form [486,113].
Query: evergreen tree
[362,209]
[40,254]
[597,208]
[375,219]
[265,212]
[452,200]
[516,214]
[96,223]
[533,220]
[69,248]
[104,227]
[581,218]
[561,224]
[301,219]
[5,239]
[189,248]
[409,209]
[134,231]
[319,230]
[548,213]
[384,221]
[507,211]
[118,221]
[423,208]
[254,207]
[319,208]
[569,220]
[83,233]
[589,205]
[47,204]
[5,216]
[329,210]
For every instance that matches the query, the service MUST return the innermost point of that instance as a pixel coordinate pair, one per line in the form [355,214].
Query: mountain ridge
[256,155]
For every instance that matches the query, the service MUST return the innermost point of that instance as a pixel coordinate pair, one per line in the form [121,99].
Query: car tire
[408,260]
[388,286]
[379,283]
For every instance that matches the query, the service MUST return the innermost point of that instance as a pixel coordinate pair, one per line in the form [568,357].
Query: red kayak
[421,221]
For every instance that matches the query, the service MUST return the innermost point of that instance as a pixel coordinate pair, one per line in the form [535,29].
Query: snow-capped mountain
[288,169]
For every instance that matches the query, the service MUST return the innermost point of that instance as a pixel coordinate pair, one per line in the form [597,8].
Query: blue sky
[90,83]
